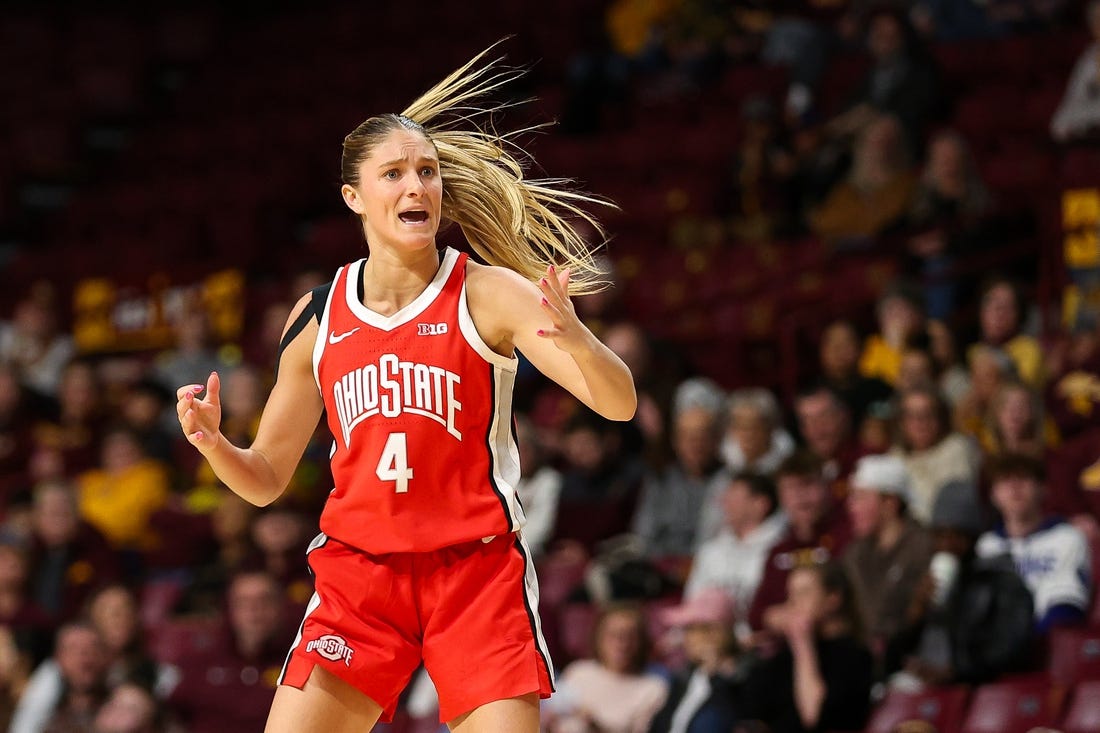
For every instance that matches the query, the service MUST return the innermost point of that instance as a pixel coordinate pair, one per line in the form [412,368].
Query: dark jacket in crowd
[847,669]
[718,713]
[984,629]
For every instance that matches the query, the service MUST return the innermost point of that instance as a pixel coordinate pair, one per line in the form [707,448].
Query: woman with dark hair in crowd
[933,453]
[612,692]
[821,680]
[1003,310]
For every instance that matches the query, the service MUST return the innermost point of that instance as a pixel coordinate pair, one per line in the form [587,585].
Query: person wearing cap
[706,697]
[1051,555]
[891,551]
[971,617]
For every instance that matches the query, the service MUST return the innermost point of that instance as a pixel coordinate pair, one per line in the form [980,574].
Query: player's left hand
[567,331]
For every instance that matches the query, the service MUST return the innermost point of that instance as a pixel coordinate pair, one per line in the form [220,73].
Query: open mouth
[413,217]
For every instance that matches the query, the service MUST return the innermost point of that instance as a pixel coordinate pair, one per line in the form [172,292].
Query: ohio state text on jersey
[421,412]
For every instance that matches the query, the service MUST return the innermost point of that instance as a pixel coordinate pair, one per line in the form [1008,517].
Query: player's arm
[260,473]
[539,320]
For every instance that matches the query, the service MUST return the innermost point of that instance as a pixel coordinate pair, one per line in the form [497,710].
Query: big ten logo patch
[431,329]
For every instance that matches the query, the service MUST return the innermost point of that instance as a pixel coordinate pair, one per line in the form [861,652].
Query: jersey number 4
[393,464]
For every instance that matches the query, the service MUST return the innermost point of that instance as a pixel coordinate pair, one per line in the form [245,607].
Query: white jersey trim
[504,453]
[322,331]
[410,311]
[473,338]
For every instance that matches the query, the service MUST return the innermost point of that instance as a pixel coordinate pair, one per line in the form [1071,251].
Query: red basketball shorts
[468,612]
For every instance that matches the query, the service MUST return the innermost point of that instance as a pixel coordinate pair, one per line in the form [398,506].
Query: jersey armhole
[315,309]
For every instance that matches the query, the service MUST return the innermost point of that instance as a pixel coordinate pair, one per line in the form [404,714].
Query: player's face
[400,192]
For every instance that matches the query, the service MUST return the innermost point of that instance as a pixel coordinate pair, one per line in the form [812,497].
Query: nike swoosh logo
[334,339]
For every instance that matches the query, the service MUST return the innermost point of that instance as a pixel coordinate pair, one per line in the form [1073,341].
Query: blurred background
[845,228]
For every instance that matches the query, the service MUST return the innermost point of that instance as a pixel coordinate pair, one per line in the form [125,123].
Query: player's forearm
[247,472]
[610,385]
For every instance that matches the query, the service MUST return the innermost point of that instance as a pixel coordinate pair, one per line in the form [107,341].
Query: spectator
[672,501]
[821,680]
[876,193]
[733,560]
[1015,424]
[32,343]
[128,709]
[1072,396]
[229,686]
[68,558]
[611,693]
[279,536]
[120,496]
[917,368]
[760,168]
[971,619]
[817,532]
[1002,318]
[1078,114]
[890,552]
[706,697]
[839,355]
[539,487]
[990,369]
[17,416]
[193,357]
[600,481]
[949,206]
[900,312]
[826,427]
[932,453]
[903,80]
[26,624]
[1051,555]
[75,431]
[13,676]
[64,693]
[756,440]
[113,611]
[232,548]
[142,408]
[953,378]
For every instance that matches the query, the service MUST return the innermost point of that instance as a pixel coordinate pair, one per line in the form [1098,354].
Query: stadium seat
[1074,656]
[1012,707]
[1083,714]
[943,708]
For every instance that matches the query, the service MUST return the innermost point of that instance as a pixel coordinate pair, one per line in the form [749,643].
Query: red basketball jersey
[421,411]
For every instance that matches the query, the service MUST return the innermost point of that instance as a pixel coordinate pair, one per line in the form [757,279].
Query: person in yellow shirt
[900,317]
[119,497]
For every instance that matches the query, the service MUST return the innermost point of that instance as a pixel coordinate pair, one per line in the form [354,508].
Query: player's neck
[392,279]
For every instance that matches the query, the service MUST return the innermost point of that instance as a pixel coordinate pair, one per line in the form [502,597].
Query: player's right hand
[200,419]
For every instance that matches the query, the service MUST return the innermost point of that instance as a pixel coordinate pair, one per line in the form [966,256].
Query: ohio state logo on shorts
[332,648]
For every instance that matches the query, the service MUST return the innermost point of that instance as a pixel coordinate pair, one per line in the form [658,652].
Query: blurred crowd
[923,512]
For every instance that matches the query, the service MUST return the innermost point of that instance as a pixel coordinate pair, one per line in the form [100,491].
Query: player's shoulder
[489,277]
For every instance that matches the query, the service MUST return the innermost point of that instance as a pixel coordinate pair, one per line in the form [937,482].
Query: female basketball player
[411,354]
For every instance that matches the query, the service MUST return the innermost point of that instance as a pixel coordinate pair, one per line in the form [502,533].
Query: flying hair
[524,224]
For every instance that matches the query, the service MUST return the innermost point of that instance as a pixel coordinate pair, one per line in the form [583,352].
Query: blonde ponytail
[509,220]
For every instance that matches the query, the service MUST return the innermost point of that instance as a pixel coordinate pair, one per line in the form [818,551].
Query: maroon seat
[1074,656]
[943,708]
[1083,714]
[1012,707]
[576,623]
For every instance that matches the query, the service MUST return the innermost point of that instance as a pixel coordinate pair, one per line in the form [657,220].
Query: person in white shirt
[733,561]
[1051,556]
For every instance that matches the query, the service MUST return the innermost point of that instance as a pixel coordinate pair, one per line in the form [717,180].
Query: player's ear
[351,198]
